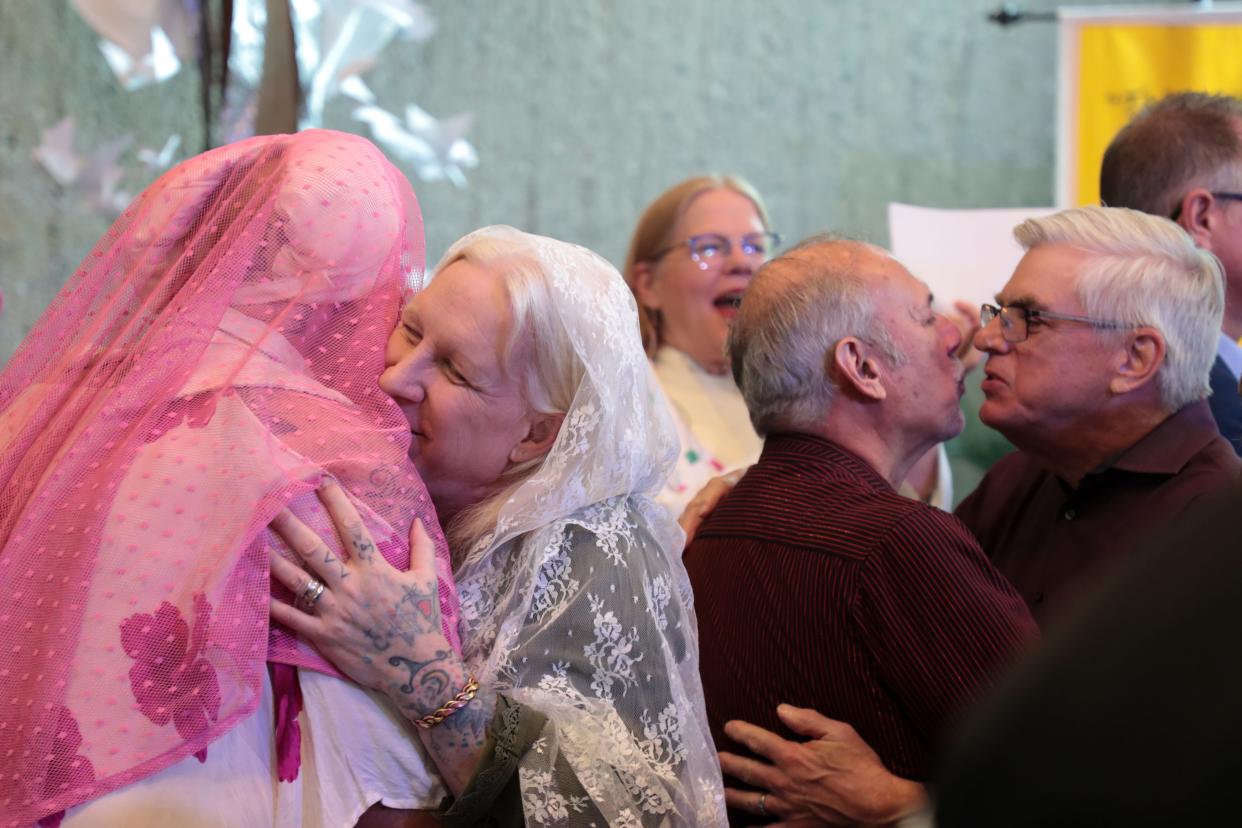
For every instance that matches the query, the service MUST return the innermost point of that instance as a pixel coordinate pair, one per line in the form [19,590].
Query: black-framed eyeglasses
[708,250]
[1177,213]
[1015,320]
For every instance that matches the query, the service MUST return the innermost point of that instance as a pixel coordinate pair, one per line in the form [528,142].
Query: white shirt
[357,750]
[710,406]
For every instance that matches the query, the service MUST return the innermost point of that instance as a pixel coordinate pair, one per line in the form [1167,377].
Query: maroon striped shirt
[816,584]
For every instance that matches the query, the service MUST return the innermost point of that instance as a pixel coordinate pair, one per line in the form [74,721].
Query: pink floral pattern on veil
[171,679]
[64,763]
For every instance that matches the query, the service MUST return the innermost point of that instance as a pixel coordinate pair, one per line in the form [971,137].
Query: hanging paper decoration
[338,40]
[335,42]
[159,160]
[435,149]
[143,41]
[95,177]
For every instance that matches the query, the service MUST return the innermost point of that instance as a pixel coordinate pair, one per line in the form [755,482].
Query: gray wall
[586,109]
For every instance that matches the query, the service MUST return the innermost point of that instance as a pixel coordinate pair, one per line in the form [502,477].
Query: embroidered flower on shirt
[171,679]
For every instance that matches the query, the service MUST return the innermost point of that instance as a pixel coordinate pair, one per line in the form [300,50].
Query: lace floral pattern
[612,653]
[554,586]
[657,593]
[663,743]
[541,800]
[578,607]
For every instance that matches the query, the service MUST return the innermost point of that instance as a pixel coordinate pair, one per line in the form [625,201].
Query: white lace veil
[578,605]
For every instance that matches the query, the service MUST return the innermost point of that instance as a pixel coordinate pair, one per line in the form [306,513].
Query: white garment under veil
[578,607]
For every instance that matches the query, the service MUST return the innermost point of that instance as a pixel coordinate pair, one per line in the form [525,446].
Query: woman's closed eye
[411,333]
[454,375]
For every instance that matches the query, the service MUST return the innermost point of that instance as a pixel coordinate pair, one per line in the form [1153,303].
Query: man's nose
[950,334]
[989,337]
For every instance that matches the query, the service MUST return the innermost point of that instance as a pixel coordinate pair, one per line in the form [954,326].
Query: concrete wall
[586,109]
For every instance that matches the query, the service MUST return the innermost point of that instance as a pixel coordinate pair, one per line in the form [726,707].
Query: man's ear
[1196,216]
[856,369]
[644,286]
[1140,361]
[539,437]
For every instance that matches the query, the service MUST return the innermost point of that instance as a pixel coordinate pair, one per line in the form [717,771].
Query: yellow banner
[1121,66]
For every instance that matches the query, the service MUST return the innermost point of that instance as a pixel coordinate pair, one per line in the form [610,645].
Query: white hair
[1145,270]
[794,312]
[554,368]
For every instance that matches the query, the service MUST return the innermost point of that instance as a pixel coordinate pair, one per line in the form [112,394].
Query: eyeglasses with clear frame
[1015,320]
[709,250]
[1177,212]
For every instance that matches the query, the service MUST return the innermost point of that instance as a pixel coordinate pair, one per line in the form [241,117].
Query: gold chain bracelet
[463,698]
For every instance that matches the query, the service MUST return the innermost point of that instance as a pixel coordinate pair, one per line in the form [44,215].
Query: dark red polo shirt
[1051,539]
[818,585]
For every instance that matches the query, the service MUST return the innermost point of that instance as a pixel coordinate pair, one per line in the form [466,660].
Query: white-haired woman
[540,433]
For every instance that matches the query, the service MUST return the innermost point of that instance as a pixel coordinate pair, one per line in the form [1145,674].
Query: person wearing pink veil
[213,361]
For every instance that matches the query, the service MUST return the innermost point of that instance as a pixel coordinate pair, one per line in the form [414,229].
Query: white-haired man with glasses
[1098,353]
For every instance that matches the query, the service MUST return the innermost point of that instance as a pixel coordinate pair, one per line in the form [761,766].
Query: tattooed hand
[378,625]
[381,627]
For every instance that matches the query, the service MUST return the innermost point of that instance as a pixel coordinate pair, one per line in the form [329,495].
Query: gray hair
[1145,270]
[555,370]
[798,306]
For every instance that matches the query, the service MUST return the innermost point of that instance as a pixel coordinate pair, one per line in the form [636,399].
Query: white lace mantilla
[578,606]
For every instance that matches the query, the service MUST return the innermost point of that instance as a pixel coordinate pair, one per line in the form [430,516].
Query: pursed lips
[991,377]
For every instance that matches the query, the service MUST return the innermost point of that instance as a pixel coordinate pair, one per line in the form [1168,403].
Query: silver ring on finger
[763,807]
[311,594]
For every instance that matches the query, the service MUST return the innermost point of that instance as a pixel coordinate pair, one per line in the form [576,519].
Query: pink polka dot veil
[213,358]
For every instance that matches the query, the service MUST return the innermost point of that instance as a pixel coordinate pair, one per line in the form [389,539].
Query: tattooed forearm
[456,743]
[466,729]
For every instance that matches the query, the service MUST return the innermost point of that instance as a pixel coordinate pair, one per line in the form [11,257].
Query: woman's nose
[740,260]
[404,379]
